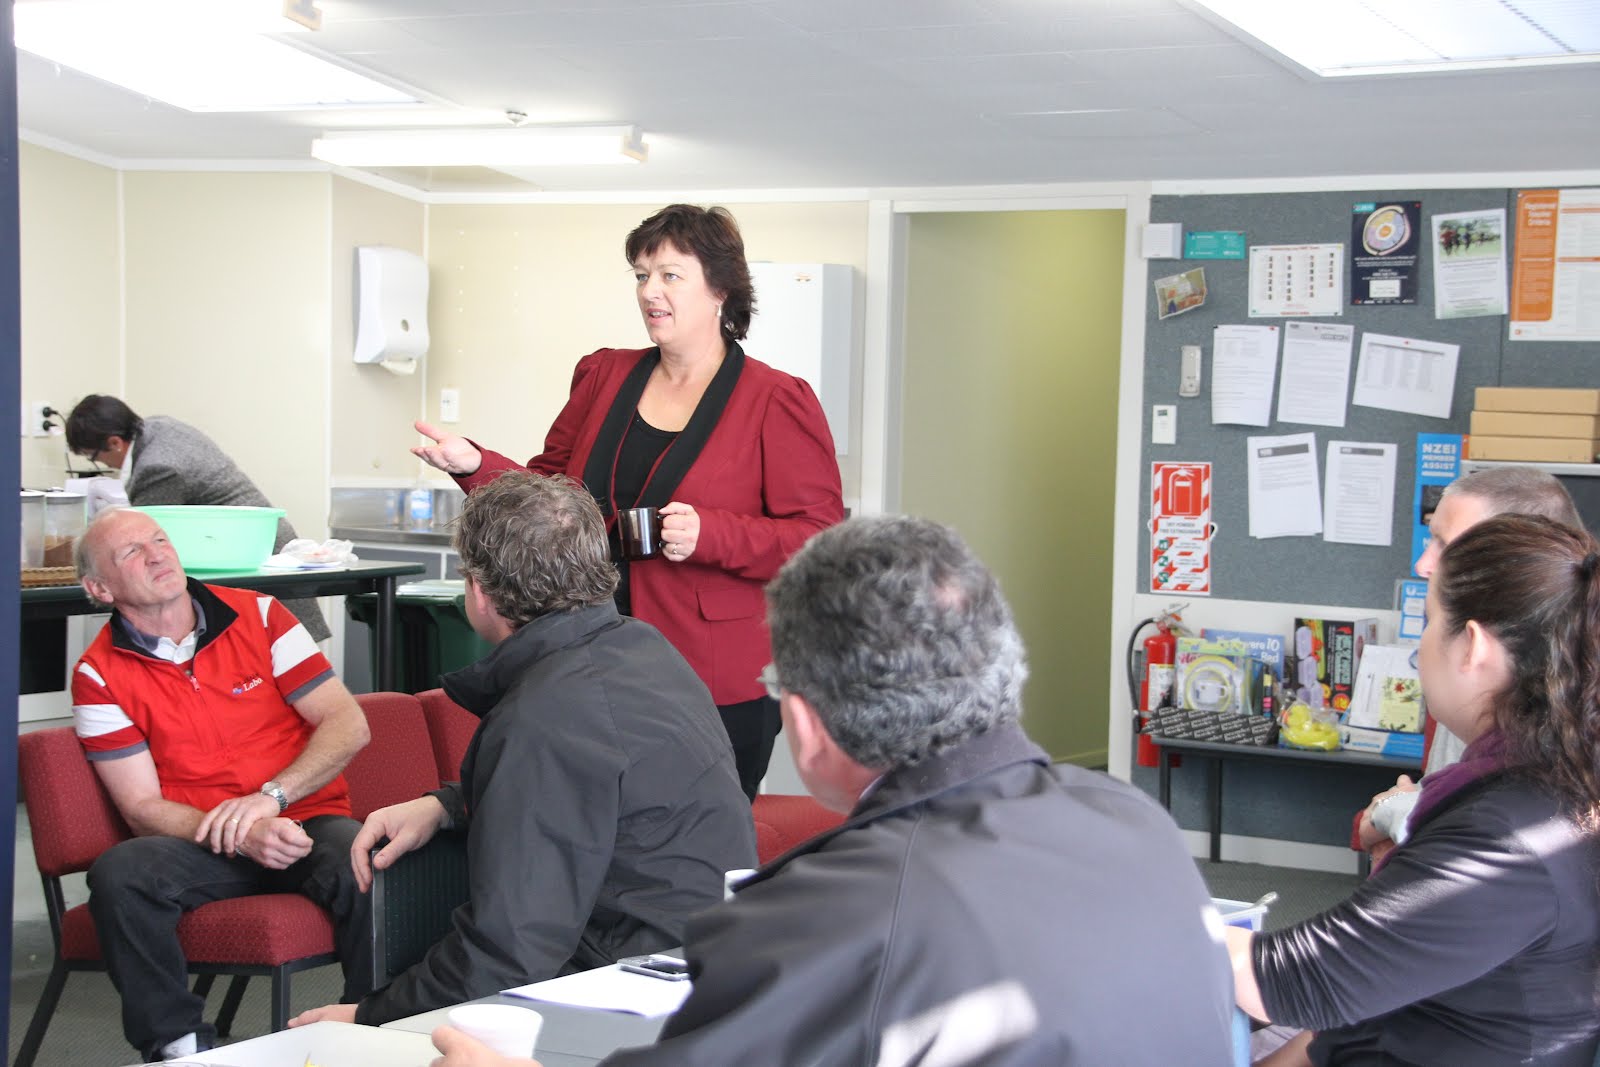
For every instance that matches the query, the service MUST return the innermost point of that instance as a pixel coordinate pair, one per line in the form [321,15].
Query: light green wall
[1012,334]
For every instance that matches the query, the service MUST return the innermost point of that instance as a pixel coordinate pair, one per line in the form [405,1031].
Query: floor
[85,1031]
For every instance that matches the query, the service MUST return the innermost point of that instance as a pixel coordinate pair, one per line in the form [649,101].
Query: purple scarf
[1485,756]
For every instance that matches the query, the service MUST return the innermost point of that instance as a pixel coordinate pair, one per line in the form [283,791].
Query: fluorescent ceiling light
[1342,38]
[200,55]
[518,146]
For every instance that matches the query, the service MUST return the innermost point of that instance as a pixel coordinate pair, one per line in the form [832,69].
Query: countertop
[394,535]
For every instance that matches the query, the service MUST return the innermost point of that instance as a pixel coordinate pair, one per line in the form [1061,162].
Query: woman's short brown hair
[712,236]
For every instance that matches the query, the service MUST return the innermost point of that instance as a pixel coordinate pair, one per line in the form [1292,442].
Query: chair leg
[202,985]
[230,1004]
[280,999]
[41,1015]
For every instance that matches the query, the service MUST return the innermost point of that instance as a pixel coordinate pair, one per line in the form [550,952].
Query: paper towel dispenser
[391,308]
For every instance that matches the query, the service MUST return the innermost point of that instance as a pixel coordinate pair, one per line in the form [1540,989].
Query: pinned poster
[1438,464]
[1180,528]
[1384,244]
[1556,266]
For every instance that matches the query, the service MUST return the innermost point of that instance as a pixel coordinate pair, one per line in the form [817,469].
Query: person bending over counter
[980,905]
[737,456]
[1473,943]
[164,461]
[598,793]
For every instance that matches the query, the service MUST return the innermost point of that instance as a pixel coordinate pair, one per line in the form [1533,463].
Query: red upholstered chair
[398,763]
[73,820]
[782,822]
[451,726]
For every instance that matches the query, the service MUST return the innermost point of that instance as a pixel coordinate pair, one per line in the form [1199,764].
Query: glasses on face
[93,456]
[769,678]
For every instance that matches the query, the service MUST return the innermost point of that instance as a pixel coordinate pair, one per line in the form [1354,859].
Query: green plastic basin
[211,537]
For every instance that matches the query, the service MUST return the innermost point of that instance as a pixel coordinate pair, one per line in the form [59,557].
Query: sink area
[383,514]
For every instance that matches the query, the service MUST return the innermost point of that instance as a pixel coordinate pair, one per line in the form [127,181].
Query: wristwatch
[275,791]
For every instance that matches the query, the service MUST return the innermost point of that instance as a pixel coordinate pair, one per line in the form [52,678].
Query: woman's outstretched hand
[450,452]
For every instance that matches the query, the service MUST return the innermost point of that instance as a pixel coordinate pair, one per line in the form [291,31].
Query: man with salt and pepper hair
[598,794]
[978,905]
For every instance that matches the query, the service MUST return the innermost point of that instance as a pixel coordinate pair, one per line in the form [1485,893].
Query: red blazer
[765,481]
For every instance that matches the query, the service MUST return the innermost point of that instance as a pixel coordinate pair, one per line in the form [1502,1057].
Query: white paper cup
[506,1028]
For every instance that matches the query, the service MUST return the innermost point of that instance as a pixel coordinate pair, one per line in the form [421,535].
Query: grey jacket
[1473,945]
[600,804]
[982,901]
[174,463]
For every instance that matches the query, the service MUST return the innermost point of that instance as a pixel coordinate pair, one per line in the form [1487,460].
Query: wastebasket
[433,635]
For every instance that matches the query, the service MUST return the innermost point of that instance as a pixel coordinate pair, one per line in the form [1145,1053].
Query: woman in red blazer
[737,455]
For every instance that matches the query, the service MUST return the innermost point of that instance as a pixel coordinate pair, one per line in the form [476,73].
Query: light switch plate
[449,405]
[1164,424]
[1189,371]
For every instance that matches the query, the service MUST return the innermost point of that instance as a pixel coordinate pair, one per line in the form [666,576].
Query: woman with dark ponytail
[1475,942]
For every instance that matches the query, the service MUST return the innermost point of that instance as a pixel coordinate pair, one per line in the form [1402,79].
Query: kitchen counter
[394,535]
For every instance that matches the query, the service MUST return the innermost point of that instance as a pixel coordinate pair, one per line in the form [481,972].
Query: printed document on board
[1284,499]
[1244,365]
[1405,374]
[1358,504]
[1316,373]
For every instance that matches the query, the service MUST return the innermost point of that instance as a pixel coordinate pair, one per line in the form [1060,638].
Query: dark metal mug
[639,533]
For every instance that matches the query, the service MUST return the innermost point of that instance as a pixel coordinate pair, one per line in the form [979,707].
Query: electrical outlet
[449,405]
[36,425]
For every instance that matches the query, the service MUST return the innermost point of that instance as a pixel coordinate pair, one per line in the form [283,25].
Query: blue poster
[1438,464]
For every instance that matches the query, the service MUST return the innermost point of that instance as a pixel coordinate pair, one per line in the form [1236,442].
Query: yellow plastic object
[1301,728]
[212,537]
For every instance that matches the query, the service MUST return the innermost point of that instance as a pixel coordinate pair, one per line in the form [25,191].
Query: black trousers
[752,727]
[139,889]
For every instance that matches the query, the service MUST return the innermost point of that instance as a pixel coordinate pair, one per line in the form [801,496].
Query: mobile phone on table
[667,968]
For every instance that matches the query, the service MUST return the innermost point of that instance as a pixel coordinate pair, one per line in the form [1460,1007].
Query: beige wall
[521,292]
[228,321]
[372,409]
[71,302]
[1013,327]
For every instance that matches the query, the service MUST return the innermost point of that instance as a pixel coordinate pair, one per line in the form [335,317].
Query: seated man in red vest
[220,732]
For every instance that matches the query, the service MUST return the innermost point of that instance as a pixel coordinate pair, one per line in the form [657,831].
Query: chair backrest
[451,726]
[397,765]
[783,822]
[70,814]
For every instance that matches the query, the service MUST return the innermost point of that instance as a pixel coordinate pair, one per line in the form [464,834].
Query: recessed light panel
[208,55]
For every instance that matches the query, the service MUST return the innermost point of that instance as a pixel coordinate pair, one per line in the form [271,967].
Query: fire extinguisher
[1155,684]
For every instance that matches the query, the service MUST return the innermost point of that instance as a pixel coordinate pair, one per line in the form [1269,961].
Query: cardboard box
[1382,742]
[1327,652]
[1533,449]
[1548,401]
[1530,424]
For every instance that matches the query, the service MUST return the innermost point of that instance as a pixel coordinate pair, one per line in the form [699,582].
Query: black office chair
[413,901]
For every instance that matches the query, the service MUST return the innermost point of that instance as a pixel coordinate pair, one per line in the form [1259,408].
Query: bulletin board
[1309,569]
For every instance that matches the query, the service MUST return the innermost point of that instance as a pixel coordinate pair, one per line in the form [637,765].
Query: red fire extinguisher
[1155,689]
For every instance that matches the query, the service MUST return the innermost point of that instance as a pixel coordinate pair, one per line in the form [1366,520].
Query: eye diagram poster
[1296,280]
[1383,252]
[1180,528]
[1555,280]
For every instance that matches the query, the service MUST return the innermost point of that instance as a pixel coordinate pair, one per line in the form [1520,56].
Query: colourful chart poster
[1180,528]
[1438,464]
[1384,243]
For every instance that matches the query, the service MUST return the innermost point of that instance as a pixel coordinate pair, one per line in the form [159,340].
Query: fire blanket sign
[1180,528]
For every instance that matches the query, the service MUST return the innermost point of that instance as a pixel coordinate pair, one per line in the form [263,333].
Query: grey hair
[1519,491]
[535,545]
[898,636]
